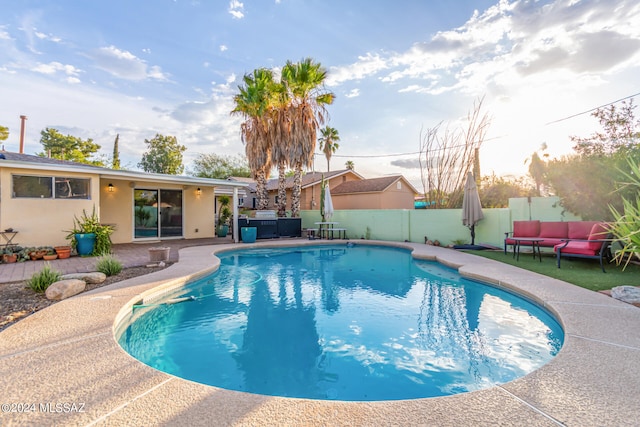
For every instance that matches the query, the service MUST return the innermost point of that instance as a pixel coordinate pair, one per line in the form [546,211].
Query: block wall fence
[445,225]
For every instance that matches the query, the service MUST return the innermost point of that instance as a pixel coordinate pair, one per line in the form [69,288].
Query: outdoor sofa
[580,239]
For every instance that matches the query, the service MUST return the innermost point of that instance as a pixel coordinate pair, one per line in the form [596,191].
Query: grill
[266,223]
[266,215]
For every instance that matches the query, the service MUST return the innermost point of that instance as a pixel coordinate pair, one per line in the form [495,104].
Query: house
[310,191]
[387,192]
[349,190]
[39,197]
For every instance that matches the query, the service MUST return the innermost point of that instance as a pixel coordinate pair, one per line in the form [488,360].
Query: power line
[362,156]
[593,109]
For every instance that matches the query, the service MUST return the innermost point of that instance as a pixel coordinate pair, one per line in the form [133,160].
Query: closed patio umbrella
[471,207]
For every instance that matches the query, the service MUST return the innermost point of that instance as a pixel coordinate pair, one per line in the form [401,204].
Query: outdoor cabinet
[289,227]
[273,228]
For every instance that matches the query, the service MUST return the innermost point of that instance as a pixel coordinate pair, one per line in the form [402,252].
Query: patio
[67,354]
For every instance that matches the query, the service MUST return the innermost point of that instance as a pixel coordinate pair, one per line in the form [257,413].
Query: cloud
[365,66]
[236,9]
[353,93]
[125,65]
[49,37]
[55,67]
[208,123]
[406,163]
[223,48]
[4,35]
[572,40]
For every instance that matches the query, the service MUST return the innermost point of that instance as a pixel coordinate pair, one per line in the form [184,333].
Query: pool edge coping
[473,267]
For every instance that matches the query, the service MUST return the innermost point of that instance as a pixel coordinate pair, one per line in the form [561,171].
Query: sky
[137,68]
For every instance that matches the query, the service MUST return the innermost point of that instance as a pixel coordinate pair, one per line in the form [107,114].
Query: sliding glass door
[157,213]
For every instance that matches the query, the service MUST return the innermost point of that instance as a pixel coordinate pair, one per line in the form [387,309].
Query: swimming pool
[342,323]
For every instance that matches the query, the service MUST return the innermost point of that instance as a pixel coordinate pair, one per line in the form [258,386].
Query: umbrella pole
[473,234]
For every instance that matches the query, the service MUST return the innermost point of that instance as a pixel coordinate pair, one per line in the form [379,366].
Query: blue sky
[136,68]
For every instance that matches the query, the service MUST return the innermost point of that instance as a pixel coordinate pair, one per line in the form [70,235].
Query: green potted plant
[224,216]
[9,255]
[51,254]
[88,236]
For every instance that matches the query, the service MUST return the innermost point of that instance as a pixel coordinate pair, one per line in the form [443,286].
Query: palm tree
[308,99]
[252,102]
[537,168]
[329,142]
[279,129]
[350,165]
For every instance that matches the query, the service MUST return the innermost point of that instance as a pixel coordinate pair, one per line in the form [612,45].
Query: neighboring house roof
[250,181]
[372,185]
[31,162]
[310,179]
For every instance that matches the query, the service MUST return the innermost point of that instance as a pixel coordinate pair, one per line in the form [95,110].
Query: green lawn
[582,272]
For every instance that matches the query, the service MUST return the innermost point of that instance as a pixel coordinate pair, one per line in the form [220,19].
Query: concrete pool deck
[63,366]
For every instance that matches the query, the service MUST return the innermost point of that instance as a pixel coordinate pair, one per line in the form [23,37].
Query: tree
[586,181]
[220,167]
[163,155]
[537,169]
[115,162]
[279,124]
[621,131]
[496,191]
[585,185]
[350,165]
[329,142]
[447,156]
[252,103]
[308,99]
[67,147]
[4,133]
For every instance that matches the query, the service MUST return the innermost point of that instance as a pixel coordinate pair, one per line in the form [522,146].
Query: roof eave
[121,174]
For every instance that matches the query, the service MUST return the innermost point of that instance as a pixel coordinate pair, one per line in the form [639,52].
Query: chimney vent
[23,120]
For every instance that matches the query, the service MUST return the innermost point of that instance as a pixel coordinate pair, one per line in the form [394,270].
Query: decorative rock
[65,289]
[628,294]
[93,277]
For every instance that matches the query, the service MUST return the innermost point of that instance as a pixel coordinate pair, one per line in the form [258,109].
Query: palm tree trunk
[282,190]
[261,190]
[296,190]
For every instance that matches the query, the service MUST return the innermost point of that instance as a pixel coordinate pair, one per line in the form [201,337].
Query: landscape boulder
[92,278]
[628,294]
[63,289]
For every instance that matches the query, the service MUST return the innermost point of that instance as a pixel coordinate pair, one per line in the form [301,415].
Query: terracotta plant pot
[63,251]
[9,258]
[50,257]
[34,255]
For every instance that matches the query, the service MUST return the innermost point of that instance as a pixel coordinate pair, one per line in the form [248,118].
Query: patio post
[235,214]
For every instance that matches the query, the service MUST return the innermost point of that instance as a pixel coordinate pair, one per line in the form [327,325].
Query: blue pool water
[334,322]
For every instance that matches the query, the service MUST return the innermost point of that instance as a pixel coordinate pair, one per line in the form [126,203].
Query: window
[47,187]
[72,188]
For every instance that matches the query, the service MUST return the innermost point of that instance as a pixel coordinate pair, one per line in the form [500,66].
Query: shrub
[41,280]
[109,265]
[626,227]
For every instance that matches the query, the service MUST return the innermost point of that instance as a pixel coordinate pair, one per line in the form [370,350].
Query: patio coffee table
[535,243]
